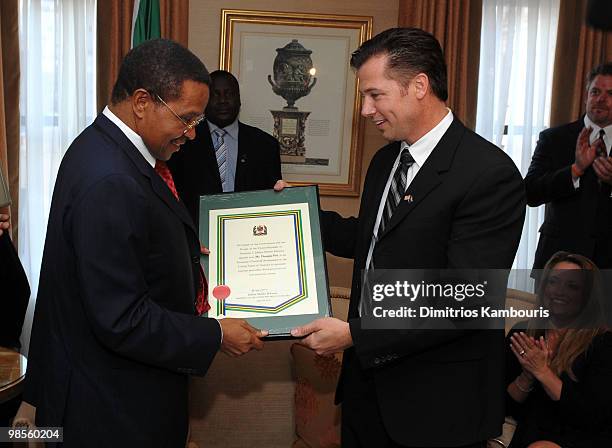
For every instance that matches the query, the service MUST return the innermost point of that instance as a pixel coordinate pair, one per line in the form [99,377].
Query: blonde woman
[559,370]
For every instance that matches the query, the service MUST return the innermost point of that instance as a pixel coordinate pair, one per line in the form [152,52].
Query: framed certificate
[266,262]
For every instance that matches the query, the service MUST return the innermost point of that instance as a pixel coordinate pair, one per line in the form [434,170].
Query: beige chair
[250,401]
[24,419]
[518,300]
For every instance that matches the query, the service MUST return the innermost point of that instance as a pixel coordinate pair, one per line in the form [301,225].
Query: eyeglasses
[188,125]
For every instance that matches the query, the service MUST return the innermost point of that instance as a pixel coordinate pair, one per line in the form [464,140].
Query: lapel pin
[408,198]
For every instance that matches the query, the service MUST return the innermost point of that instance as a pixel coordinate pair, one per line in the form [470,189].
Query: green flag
[145,22]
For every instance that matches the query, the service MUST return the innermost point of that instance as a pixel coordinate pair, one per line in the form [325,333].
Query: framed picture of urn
[296,84]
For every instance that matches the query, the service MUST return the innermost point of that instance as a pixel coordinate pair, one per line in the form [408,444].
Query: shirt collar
[595,133]
[132,136]
[422,148]
[231,129]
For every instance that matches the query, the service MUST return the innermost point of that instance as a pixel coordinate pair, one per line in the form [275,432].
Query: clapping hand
[533,355]
[603,168]
[585,152]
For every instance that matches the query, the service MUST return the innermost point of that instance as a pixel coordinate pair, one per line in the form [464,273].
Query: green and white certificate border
[279,326]
[223,306]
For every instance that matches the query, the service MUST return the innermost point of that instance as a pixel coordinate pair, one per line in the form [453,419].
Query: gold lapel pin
[408,198]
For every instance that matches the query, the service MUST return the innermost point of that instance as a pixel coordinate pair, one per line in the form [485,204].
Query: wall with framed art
[205,41]
[296,83]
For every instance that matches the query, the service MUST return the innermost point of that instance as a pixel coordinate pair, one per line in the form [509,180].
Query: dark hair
[409,51]
[159,66]
[604,69]
[222,74]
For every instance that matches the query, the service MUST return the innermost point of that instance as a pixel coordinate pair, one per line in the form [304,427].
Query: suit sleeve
[339,234]
[110,235]
[546,182]
[275,164]
[485,234]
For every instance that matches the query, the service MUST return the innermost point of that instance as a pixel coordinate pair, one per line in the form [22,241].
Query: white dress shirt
[131,135]
[420,151]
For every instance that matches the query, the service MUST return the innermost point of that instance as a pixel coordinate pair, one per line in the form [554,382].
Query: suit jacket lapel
[158,185]
[430,175]
[242,161]
[371,204]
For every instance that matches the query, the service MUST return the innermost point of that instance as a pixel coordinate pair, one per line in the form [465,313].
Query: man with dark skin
[224,103]
[226,154]
[118,326]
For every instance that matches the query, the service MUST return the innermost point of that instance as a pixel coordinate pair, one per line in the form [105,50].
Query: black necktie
[601,145]
[396,190]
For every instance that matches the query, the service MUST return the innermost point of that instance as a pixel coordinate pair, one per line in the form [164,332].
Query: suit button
[195,260]
[376,361]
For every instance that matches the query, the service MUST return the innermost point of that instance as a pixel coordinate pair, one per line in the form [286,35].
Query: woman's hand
[533,355]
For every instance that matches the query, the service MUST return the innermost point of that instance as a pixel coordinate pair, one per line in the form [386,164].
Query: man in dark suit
[460,205]
[15,290]
[115,331]
[571,172]
[226,154]
[15,295]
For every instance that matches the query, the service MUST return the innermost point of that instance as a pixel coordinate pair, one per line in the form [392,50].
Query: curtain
[57,44]
[9,104]
[115,35]
[580,48]
[453,23]
[514,93]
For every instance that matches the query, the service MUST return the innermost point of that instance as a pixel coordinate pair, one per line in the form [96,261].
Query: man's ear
[421,85]
[141,100]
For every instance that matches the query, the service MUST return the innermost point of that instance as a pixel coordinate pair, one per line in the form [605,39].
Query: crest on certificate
[260,230]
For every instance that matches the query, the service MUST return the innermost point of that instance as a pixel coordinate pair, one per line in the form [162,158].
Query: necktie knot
[219,133]
[406,158]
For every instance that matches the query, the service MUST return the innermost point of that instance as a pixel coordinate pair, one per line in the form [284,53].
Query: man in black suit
[15,290]
[115,331]
[226,154]
[15,294]
[571,172]
[462,206]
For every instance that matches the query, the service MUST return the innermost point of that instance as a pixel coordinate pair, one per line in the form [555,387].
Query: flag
[145,21]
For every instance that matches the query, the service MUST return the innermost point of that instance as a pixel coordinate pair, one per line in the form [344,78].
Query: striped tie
[394,196]
[396,190]
[221,155]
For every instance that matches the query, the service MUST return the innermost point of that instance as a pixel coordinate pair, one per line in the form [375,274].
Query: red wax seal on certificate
[221,292]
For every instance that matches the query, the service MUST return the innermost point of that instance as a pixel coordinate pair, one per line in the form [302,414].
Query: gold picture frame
[331,130]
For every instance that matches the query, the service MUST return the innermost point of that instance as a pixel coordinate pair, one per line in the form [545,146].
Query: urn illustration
[293,73]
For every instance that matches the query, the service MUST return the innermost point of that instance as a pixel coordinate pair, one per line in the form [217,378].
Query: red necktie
[202,298]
